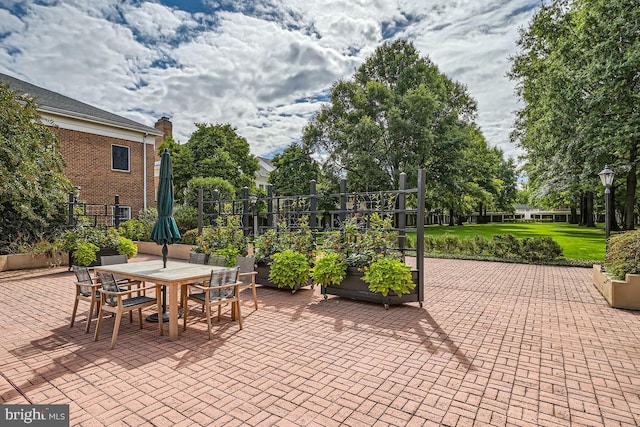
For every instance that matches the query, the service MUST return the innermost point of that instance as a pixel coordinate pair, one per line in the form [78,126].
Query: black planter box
[262,277]
[355,288]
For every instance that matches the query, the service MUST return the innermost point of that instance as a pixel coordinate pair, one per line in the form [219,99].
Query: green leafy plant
[224,236]
[189,237]
[273,241]
[623,255]
[389,275]
[85,253]
[360,246]
[540,249]
[330,269]
[127,247]
[289,269]
[230,254]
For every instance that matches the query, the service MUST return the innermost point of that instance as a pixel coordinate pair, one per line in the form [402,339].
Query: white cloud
[253,66]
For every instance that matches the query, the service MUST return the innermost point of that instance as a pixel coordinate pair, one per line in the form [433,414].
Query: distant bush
[623,254]
[186,218]
[501,246]
[189,237]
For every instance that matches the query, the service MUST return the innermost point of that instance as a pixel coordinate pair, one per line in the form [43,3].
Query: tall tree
[294,170]
[577,73]
[214,151]
[32,183]
[397,114]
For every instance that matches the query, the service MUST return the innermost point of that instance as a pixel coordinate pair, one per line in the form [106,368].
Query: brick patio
[494,344]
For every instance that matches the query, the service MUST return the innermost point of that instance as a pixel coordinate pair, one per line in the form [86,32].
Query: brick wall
[88,165]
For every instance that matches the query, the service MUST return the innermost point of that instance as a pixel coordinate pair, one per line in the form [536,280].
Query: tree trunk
[451,223]
[589,210]
[583,210]
[573,217]
[480,217]
[612,210]
[630,197]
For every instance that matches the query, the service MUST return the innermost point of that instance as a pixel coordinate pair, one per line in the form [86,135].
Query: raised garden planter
[27,261]
[176,250]
[618,293]
[262,277]
[355,288]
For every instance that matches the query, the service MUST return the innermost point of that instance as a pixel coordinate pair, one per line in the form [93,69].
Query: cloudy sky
[265,66]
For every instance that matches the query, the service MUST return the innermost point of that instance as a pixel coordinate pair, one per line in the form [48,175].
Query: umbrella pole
[165,252]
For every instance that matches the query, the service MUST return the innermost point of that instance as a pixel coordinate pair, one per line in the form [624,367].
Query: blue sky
[263,66]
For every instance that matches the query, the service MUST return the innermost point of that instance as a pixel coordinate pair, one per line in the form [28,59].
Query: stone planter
[618,293]
[262,277]
[176,251]
[27,261]
[357,289]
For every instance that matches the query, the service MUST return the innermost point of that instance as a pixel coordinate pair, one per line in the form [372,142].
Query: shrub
[85,253]
[221,236]
[623,254]
[274,241]
[134,229]
[329,269]
[389,274]
[190,237]
[127,247]
[448,244]
[230,254]
[186,218]
[540,249]
[505,246]
[289,268]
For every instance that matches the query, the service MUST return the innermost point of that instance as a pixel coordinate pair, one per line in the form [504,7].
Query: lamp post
[606,176]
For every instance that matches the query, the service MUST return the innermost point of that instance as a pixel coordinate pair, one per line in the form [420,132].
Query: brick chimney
[165,126]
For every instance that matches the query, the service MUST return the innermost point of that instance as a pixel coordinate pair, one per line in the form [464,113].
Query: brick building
[105,154]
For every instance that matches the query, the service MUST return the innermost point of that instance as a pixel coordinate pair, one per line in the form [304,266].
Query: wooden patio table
[175,275]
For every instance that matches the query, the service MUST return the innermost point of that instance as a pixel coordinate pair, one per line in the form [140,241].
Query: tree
[32,183]
[397,114]
[294,170]
[577,73]
[214,151]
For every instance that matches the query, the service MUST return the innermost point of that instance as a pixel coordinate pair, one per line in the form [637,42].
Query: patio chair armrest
[208,288]
[127,292]
[249,273]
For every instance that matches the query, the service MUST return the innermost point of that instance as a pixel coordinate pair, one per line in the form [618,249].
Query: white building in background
[264,170]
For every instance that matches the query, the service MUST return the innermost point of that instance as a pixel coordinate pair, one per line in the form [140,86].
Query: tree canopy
[294,169]
[399,113]
[213,151]
[577,73]
[32,183]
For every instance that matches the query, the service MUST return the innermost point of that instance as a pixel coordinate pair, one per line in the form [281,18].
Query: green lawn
[579,243]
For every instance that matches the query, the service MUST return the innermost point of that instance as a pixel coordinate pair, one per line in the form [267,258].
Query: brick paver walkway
[494,344]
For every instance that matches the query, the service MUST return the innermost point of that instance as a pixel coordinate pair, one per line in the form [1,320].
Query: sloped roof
[55,103]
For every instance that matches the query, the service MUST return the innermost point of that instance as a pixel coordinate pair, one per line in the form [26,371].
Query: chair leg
[140,317]
[185,308]
[116,327]
[73,315]
[208,309]
[255,295]
[237,303]
[89,317]
[97,333]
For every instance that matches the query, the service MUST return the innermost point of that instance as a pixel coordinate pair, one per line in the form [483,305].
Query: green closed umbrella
[165,231]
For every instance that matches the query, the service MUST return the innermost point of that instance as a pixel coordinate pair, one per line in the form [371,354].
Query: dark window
[120,158]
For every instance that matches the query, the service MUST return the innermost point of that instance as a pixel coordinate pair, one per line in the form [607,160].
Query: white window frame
[128,158]
[123,218]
